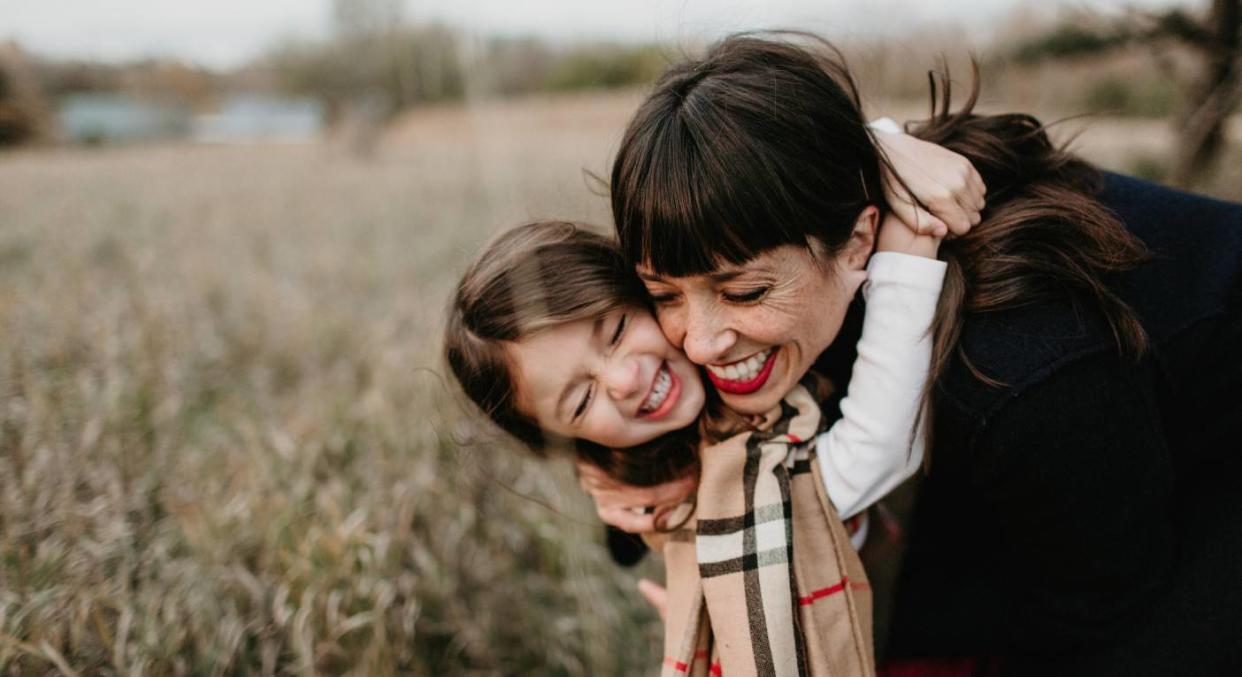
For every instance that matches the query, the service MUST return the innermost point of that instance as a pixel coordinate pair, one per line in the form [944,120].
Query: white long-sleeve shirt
[869,450]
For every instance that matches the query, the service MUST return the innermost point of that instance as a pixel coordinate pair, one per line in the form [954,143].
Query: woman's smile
[743,376]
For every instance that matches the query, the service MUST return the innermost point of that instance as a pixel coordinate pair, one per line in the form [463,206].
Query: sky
[227,33]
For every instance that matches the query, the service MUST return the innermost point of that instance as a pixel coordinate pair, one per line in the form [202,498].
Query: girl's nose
[622,377]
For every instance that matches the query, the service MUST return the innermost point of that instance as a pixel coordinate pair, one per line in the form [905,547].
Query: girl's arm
[873,447]
[943,181]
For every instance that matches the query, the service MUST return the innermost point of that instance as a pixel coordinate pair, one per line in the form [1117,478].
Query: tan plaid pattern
[763,580]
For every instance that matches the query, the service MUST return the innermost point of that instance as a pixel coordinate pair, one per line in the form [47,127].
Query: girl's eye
[616,335]
[748,296]
[586,399]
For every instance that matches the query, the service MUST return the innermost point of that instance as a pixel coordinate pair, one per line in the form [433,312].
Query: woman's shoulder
[1195,272]
[1005,352]
[1195,269]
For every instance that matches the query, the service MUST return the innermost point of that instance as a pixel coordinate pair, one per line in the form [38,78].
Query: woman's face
[759,326]
[615,381]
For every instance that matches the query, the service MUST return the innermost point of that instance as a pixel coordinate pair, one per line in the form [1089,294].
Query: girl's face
[615,381]
[758,327]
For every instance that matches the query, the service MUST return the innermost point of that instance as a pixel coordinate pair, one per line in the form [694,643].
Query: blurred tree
[24,117]
[365,18]
[376,65]
[1212,94]
[1215,96]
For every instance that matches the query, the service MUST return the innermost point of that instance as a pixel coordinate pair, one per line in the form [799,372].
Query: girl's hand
[943,180]
[632,509]
[894,236]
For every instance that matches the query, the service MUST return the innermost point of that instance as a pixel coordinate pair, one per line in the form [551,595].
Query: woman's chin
[769,395]
[759,402]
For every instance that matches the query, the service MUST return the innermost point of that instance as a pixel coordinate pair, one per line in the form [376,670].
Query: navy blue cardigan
[1086,518]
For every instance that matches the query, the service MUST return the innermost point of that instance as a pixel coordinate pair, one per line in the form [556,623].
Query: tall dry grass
[225,447]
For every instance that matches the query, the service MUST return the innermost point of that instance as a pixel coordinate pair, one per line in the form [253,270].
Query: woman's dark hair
[530,279]
[762,143]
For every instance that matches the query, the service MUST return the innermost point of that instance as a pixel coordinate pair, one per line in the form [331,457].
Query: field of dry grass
[225,444]
[225,441]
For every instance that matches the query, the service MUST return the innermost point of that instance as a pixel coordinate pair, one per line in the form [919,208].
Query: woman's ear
[861,244]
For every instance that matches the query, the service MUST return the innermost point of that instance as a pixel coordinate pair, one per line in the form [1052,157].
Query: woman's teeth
[743,371]
[664,382]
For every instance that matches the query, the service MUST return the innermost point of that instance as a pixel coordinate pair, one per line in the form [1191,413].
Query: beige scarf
[763,580]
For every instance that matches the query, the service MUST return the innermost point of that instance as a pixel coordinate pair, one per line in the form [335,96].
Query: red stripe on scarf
[682,667]
[830,590]
[676,664]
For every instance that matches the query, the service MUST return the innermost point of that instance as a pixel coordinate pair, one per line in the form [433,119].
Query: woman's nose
[622,377]
[707,336]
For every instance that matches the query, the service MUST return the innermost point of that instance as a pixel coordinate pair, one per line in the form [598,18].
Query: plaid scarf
[763,580]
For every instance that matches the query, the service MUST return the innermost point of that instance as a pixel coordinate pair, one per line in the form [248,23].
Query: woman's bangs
[702,205]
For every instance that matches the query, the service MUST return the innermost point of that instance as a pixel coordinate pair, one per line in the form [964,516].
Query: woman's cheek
[672,321]
[769,325]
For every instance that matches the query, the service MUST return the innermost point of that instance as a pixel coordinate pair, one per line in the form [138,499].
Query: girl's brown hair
[762,143]
[533,278]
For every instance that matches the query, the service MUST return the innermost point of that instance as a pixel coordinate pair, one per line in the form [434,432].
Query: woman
[1085,386]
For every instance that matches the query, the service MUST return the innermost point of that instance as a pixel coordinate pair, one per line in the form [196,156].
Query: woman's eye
[747,296]
[616,335]
[661,296]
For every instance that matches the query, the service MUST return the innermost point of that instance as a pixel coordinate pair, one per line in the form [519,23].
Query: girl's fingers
[627,520]
[955,216]
[976,180]
[967,205]
[917,219]
[978,191]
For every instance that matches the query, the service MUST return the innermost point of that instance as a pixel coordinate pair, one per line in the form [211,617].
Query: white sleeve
[868,451]
[888,125]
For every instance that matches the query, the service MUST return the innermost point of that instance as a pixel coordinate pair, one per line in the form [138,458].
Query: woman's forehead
[773,260]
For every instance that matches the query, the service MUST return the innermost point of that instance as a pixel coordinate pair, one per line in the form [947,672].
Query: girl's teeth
[731,372]
[663,383]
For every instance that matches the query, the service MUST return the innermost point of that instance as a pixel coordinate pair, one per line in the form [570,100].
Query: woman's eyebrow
[722,276]
[726,275]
